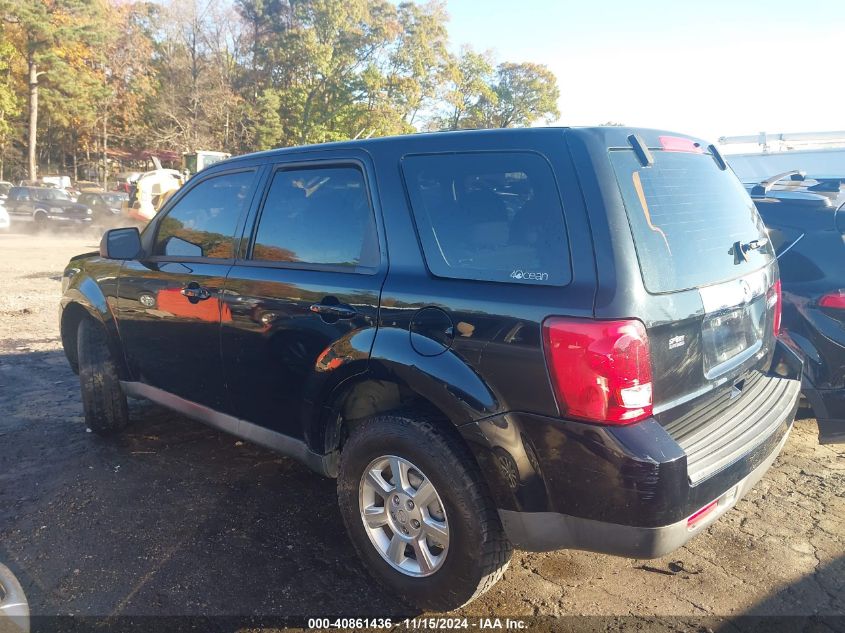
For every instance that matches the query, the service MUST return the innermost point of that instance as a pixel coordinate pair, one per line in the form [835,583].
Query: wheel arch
[443,384]
[77,306]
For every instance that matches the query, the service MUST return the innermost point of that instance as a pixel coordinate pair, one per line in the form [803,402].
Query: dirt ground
[176,518]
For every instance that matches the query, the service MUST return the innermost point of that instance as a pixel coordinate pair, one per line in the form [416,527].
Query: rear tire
[476,551]
[103,400]
[40,221]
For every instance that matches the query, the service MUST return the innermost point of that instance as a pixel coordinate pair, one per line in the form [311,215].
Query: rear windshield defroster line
[686,215]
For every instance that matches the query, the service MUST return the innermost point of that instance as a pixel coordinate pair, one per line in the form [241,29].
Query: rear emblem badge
[677,341]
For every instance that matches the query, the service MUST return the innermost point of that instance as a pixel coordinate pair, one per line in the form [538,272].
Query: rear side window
[687,216]
[318,216]
[489,217]
[203,222]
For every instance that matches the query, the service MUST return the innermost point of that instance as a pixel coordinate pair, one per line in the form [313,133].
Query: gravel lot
[176,518]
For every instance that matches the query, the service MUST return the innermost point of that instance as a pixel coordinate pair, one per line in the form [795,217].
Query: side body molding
[286,445]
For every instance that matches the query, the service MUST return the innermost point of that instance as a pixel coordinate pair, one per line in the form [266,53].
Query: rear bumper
[829,408]
[629,490]
[546,531]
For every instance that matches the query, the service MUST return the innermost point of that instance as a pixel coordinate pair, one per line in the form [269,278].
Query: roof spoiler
[795,175]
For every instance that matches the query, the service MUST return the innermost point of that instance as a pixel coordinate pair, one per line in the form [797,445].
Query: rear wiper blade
[740,250]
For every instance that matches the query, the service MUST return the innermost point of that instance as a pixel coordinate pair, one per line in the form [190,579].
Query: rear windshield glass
[686,216]
[489,217]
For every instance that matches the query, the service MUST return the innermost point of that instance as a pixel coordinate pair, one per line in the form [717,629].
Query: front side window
[50,194]
[318,216]
[203,222]
[489,217]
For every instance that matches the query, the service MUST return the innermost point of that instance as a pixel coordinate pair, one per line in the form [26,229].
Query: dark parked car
[540,338]
[806,222]
[43,206]
[106,206]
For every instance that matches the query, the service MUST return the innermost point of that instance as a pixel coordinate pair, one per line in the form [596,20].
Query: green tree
[268,128]
[331,53]
[46,33]
[469,79]
[524,94]
[420,59]
[8,100]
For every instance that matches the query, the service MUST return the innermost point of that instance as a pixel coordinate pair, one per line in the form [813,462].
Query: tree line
[81,77]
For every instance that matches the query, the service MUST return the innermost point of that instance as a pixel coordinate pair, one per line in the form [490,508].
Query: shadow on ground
[169,518]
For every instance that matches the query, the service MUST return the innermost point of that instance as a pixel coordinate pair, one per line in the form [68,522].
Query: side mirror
[121,243]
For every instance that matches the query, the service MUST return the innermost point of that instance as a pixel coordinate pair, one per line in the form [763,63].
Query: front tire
[446,549]
[103,400]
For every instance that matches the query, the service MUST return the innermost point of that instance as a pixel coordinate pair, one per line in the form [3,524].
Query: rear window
[489,217]
[686,216]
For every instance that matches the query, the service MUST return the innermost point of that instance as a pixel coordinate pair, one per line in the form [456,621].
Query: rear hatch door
[709,275]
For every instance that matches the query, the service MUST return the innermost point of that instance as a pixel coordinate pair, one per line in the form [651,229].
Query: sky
[709,68]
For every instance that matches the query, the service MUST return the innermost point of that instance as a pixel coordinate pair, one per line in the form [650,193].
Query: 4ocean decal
[531,276]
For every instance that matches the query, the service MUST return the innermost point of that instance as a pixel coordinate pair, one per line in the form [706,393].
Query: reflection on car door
[169,307]
[312,276]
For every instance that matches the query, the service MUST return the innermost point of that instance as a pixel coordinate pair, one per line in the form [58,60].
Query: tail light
[774,298]
[600,370]
[834,300]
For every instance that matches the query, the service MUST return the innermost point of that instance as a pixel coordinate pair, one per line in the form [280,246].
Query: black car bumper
[829,409]
[628,490]
[545,531]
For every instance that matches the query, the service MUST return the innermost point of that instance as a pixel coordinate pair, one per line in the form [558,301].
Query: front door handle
[338,311]
[196,292]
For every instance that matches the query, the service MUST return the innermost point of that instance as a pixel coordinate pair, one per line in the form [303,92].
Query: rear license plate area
[728,334]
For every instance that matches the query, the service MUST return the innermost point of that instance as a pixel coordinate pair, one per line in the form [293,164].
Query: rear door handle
[339,311]
[194,291]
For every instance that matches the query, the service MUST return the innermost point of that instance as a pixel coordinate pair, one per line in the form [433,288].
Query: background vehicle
[106,206]
[806,223]
[43,207]
[151,190]
[60,182]
[4,217]
[194,162]
[88,186]
[574,344]
[124,180]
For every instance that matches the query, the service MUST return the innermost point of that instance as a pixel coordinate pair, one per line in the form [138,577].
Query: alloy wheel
[403,516]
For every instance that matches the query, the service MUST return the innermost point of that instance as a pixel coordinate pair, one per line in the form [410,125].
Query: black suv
[805,217]
[43,206]
[540,338]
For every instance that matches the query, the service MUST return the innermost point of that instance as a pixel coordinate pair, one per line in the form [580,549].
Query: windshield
[115,198]
[693,224]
